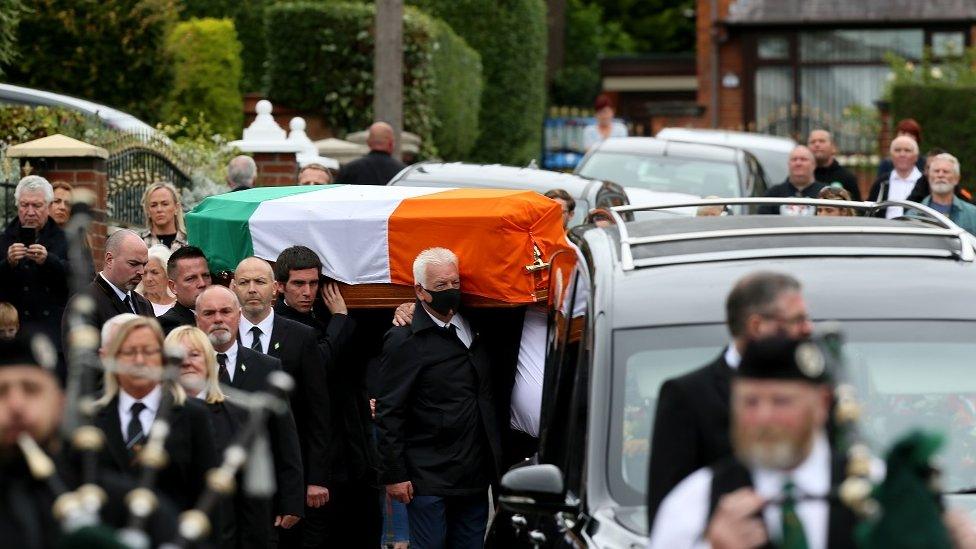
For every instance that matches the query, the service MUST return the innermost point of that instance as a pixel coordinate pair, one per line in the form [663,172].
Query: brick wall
[730,111]
[276,169]
[81,173]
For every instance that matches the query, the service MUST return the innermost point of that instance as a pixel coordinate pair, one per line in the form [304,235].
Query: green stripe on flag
[219,224]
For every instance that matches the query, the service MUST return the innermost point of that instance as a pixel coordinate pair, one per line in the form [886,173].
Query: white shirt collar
[152,400]
[265,325]
[464,334]
[912,177]
[122,295]
[732,356]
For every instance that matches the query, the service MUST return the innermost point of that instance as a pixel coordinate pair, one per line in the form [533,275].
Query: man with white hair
[943,176]
[34,271]
[241,172]
[438,436]
[905,182]
[800,183]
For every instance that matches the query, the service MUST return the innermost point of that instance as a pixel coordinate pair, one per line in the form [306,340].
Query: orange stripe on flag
[491,231]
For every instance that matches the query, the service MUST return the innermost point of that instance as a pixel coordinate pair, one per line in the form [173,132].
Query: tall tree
[657,26]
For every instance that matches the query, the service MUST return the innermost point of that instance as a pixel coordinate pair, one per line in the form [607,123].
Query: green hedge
[109,51]
[248,16]
[947,115]
[510,35]
[206,74]
[457,93]
[19,124]
[331,70]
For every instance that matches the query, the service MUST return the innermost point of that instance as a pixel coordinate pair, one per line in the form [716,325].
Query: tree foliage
[510,35]
[10,13]
[206,74]
[109,51]
[249,21]
[656,26]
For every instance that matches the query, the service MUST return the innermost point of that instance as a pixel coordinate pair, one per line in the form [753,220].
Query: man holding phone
[34,269]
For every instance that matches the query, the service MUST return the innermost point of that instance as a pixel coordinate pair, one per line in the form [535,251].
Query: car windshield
[663,173]
[890,364]
[774,164]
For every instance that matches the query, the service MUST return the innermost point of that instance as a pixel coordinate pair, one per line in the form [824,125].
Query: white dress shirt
[463,330]
[732,356]
[231,360]
[147,415]
[527,391]
[265,326]
[119,293]
[682,518]
[898,189]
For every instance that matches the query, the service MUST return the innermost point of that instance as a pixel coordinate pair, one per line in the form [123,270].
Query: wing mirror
[536,489]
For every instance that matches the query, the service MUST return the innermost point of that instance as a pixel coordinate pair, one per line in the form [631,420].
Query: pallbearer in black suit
[438,433]
[188,275]
[354,514]
[114,287]
[691,425]
[296,346]
[129,405]
[247,521]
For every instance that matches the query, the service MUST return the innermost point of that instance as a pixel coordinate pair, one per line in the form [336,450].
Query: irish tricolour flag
[371,234]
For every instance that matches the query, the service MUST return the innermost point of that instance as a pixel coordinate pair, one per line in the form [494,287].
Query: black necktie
[256,339]
[222,373]
[452,330]
[134,434]
[128,304]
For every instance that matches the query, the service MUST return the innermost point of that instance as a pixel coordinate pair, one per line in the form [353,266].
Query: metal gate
[133,165]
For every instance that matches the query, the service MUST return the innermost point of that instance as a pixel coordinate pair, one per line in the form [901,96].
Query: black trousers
[352,519]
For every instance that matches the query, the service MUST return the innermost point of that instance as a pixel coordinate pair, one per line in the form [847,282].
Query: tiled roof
[766,12]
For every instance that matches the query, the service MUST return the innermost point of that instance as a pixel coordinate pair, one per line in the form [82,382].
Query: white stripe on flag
[346,226]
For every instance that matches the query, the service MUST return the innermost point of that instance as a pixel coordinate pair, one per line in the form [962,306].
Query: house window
[948,44]
[773,48]
[860,45]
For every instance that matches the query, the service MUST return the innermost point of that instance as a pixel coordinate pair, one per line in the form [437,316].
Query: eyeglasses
[146,352]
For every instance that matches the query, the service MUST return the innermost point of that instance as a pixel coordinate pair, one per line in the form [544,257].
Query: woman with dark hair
[911,128]
[605,125]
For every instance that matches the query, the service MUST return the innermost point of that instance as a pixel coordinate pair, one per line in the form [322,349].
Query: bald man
[904,182]
[829,171]
[800,183]
[113,289]
[379,166]
[296,346]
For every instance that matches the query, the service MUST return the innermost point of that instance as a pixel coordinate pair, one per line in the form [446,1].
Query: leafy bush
[10,12]
[947,115]
[109,51]
[19,124]
[206,154]
[457,93]
[331,70]
[510,35]
[206,74]
[248,16]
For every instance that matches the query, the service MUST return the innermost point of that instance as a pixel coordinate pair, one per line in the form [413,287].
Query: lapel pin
[277,344]
[243,367]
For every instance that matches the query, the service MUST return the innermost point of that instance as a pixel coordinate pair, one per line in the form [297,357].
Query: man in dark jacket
[113,289]
[828,170]
[905,182]
[800,183]
[691,424]
[378,167]
[438,434]
[353,512]
[188,275]
[34,270]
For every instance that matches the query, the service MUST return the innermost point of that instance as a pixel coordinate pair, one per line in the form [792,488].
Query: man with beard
[691,425]
[32,403]
[780,406]
[943,175]
[188,275]
[113,289]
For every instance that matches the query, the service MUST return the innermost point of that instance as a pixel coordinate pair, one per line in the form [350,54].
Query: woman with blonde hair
[246,521]
[155,282]
[134,394]
[164,216]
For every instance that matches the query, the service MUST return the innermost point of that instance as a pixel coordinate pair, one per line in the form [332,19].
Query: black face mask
[445,301]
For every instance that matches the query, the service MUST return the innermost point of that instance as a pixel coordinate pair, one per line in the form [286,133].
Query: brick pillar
[276,169]
[82,165]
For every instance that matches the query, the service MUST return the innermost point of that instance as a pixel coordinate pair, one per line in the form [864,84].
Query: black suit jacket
[376,168]
[879,190]
[691,428]
[177,316]
[247,520]
[251,374]
[190,446]
[434,410]
[296,346]
[108,304]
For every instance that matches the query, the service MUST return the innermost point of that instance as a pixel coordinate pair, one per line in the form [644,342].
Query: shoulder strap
[842,520]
